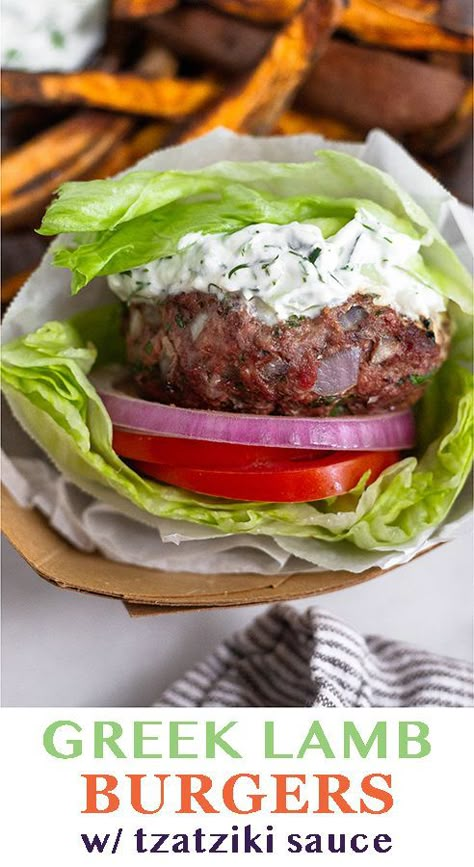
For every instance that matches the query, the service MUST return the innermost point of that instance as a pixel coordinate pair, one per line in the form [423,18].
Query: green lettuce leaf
[95,206]
[158,233]
[45,378]
[129,221]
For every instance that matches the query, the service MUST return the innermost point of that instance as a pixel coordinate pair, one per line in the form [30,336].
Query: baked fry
[417,10]
[255,105]
[295,122]
[68,150]
[359,86]
[212,38]
[439,140]
[453,15]
[373,22]
[155,97]
[368,87]
[139,8]
[262,11]
[127,152]
[157,61]
[11,285]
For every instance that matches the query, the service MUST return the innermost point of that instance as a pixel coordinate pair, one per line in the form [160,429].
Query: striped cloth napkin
[312,659]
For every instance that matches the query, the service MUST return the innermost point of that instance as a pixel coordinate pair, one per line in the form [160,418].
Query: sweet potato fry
[455,15]
[373,22]
[368,87]
[451,61]
[127,152]
[261,11]
[20,123]
[156,97]
[12,284]
[66,151]
[358,86]
[212,38]
[439,140]
[417,10]
[255,104]
[295,122]
[157,61]
[139,8]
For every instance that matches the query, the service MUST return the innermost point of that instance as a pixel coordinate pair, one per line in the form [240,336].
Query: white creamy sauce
[291,270]
[51,34]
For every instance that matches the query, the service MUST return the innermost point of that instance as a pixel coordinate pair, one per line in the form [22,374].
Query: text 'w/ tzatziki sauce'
[291,270]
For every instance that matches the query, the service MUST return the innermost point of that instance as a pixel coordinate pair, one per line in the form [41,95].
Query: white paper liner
[93,519]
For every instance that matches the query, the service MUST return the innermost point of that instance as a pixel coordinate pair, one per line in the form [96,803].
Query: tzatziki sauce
[51,34]
[291,270]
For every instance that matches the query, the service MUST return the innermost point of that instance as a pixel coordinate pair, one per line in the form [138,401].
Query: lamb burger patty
[200,351]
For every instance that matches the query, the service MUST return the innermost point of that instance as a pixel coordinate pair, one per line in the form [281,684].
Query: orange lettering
[375,792]
[93,792]
[343,784]
[282,793]
[228,794]
[136,792]
[187,794]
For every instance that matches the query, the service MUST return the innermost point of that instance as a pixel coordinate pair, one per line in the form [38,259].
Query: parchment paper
[94,518]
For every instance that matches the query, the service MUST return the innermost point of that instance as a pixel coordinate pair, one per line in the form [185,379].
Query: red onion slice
[392,430]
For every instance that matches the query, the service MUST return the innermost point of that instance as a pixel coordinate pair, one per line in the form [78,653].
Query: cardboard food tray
[152,591]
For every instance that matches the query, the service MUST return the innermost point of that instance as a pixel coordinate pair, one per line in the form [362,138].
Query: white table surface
[63,649]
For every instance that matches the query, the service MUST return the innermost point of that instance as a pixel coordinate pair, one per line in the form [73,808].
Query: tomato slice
[284,481]
[176,451]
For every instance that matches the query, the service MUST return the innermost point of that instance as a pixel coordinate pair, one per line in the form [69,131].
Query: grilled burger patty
[200,351]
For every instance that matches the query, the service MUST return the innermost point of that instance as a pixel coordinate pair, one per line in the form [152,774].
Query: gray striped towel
[312,659]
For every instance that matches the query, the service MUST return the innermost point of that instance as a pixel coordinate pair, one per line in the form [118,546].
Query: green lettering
[270,743]
[101,739]
[49,742]
[215,739]
[176,737]
[322,743]
[420,737]
[352,737]
[139,738]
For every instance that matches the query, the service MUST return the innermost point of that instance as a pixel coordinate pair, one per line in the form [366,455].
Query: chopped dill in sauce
[303,273]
